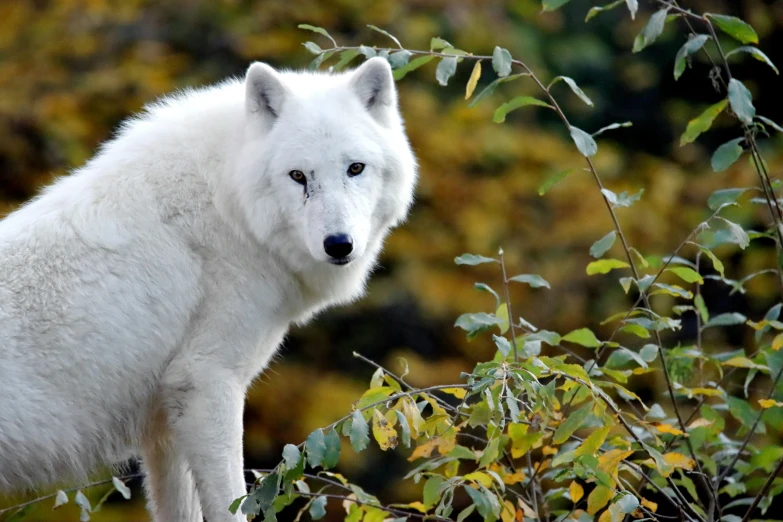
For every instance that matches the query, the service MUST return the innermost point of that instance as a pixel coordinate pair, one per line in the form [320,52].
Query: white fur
[141,295]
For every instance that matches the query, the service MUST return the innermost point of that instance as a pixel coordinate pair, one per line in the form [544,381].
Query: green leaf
[574,87]
[735,28]
[756,53]
[502,343]
[770,123]
[552,5]
[516,103]
[368,52]
[728,319]
[121,487]
[438,43]
[445,70]
[612,127]
[689,48]
[553,180]
[604,266]
[332,454]
[648,353]
[534,280]
[725,155]
[473,322]
[235,504]
[431,493]
[633,6]
[584,142]
[385,33]
[572,423]
[598,9]
[405,427]
[584,337]
[399,59]
[702,123]
[473,260]
[651,31]
[688,275]
[489,89]
[738,234]
[627,503]
[490,454]
[636,329]
[481,502]
[501,61]
[724,196]
[359,432]
[319,30]
[261,498]
[600,247]
[717,264]
[412,65]
[291,456]
[316,447]
[345,58]
[744,413]
[318,508]
[312,47]
[741,101]
[60,499]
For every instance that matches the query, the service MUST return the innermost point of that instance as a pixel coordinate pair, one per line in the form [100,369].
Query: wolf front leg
[205,411]
[168,483]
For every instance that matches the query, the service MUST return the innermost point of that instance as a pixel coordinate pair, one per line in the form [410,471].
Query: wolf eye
[298,176]
[355,169]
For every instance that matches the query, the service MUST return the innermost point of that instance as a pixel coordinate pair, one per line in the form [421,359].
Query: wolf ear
[374,84]
[265,91]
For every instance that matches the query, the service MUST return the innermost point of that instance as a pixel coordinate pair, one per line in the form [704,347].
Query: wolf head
[325,168]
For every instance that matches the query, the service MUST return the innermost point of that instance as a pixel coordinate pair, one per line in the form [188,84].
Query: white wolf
[140,296]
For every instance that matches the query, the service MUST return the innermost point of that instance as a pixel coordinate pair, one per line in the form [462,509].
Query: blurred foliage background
[71,70]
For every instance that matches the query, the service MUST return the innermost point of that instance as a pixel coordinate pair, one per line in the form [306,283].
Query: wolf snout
[338,247]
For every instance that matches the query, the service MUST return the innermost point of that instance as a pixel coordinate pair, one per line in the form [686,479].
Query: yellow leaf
[514,478]
[710,392]
[678,460]
[508,513]
[424,450]
[667,428]
[549,450]
[474,78]
[777,342]
[413,416]
[652,506]
[457,392]
[606,516]
[592,442]
[451,469]
[418,506]
[385,435]
[598,498]
[741,362]
[482,478]
[502,313]
[609,461]
[577,491]
[526,510]
[698,423]
[769,403]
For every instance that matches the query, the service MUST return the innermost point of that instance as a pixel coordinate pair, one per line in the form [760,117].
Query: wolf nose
[338,245]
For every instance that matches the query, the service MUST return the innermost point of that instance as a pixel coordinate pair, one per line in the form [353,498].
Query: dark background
[70,71]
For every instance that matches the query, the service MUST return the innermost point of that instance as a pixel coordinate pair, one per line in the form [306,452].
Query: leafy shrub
[550,427]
